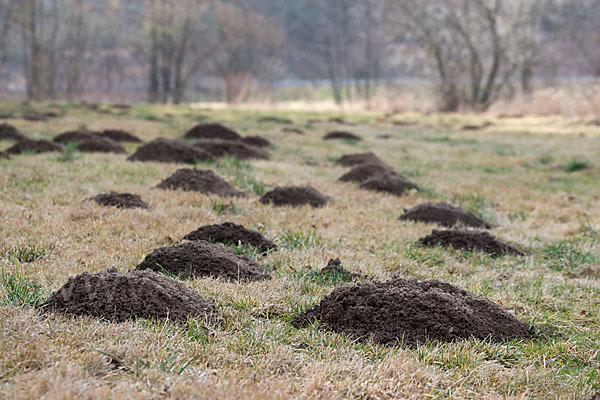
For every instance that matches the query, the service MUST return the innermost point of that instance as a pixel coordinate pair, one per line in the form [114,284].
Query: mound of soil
[230,233]
[411,312]
[275,120]
[334,268]
[391,183]
[238,149]
[212,131]
[100,145]
[341,135]
[34,146]
[293,130]
[35,117]
[295,196]
[169,151]
[119,297]
[74,136]
[443,214]
[9,132]
[469,241]
[4,156]
[119,200]
[257,141]
[364,172]
[200,258]
[120,136]
[350,160]
[199,180]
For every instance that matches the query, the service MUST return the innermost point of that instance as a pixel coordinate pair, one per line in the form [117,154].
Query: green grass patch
[576,164]
[18,290]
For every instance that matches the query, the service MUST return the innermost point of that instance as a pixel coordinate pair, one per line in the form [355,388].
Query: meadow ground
[535,178]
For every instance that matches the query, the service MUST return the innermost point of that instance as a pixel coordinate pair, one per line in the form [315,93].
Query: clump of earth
[119,200]
[295,196]
[34,146]
[363,172]
[341,135]
[74,136]
[118,297]
[238,149]
[119,135]
[469,241]
[199,258]
[334,268]
[100,144]
[412,312]
[212,131]
[169,151]
[230,233]
[443,214]
[296,131]
[199,180]
[9,132]
[391,183]
[257,141]
[351,160]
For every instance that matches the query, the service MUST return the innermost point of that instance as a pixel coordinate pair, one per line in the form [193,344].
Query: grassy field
[536,178]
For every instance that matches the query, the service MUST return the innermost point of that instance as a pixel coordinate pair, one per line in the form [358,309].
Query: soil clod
[169,151]
[391,183]
[364,172]
[74,136]
[297,131]
[229,233]
[34,146]
[118,297]
[411,312]
[9,132]
[295,196]
[443,214]
[199,180]
[119,135]
[200,258]
[341,135]
[119,200]
[257,141]
[334,268]
[351,160]
[100,145]
[238,149]
[212,131]
[469,241]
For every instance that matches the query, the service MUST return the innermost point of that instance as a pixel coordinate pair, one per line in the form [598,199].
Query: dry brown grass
[510,172]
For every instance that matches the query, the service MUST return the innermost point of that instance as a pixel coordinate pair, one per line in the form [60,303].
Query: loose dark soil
[351,160]
[229,233]
[169,151]
[199,180]
[443,214]
[295,196]
[257,141]
[120,136]
[100,145]
[334,268]
[200,258]
[275,120]
[34,146]
[391,183]
[341,135]
[119,200]
[35,117]
[212,131]
[238,149]
[469,241]
[119,297]
[9,132]
[293,130]
[4,156]
[364,172]
[74,136]
[410,312]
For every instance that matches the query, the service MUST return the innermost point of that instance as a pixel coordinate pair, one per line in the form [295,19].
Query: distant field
[534,178]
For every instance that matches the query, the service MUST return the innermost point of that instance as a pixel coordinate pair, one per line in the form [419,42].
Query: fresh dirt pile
[200,258]
[276,120]
[9,132]
[3,155]
[119,135]
[443,214]
[411,312]
[119,200]
[169,151]
[295,196]
[230,233]
[212,131]
[34,146]
[257,141]
[238,149]
[119,297]
[363,172]
[100,145]
[341,135]
[199,180]
[469,241]
[74,136]
[351,160]
[391,183]
[334,268]
[293,130]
